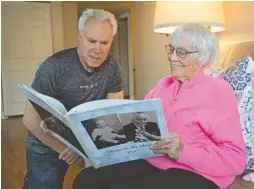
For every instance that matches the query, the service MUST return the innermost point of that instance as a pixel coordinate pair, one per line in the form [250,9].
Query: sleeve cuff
[115,90]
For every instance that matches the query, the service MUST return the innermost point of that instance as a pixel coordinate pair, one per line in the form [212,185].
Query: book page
[98,104]
[120,133]
[50,104]
[87,161]
[59,137]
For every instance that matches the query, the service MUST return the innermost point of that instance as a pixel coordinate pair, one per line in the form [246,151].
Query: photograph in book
[134,124]
[121,133]
[114,129]
[105,131]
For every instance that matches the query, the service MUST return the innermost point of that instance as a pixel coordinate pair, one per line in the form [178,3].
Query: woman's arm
[226,156]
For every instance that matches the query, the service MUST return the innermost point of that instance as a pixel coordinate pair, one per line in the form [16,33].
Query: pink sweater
[204,113]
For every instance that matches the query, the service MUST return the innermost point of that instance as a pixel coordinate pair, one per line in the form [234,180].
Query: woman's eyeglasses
[182,53]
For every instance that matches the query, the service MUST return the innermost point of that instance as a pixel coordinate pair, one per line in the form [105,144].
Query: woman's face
[183,61]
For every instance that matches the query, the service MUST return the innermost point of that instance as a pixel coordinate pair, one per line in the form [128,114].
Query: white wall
[151,61]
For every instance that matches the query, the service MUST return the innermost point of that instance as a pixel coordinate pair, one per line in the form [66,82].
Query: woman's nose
[174,56]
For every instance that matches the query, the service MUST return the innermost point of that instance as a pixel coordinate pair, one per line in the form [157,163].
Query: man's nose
[98,47]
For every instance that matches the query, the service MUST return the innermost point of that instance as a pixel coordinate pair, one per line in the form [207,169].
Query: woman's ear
[79,35]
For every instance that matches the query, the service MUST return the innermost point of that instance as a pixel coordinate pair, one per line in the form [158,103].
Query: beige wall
[64,16]
[112,6]
[57,25]
[70,23]
[151,62]
[239,18]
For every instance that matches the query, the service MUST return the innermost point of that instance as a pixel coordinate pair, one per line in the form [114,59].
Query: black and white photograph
[115,129]
[140,126]
[105,131]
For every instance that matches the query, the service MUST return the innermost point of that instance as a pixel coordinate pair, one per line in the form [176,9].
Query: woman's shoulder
[165,82]
[158,89]
[220,84]
[221,89]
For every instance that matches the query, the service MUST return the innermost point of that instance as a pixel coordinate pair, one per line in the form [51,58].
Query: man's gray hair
[99,15]
[197,38]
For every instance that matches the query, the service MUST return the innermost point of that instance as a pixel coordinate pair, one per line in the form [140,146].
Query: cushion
[233,52]
[240,76]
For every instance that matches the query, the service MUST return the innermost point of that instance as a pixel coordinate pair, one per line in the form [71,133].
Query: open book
[104,132]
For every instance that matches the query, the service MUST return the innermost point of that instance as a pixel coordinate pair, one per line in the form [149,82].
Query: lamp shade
[169,15]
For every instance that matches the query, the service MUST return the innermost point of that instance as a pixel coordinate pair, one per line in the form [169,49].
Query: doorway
[26,42]
[121,50]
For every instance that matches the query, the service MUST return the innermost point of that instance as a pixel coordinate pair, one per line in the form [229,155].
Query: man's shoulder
[128,126]
[110,63]
[111,60]
[60,59]
[152,124]
[65,54]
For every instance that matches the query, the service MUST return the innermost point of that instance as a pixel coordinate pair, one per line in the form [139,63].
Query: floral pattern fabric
[241,77]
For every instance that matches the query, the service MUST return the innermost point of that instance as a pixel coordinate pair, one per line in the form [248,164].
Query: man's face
[140,119]
[94,43]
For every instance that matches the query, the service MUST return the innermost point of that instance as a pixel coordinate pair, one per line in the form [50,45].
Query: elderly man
[73,76]
[140,129]
[205,147]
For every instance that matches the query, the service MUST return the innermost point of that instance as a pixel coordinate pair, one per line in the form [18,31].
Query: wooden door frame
[130,61]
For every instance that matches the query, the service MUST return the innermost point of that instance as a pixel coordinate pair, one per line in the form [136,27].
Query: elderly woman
[205,147]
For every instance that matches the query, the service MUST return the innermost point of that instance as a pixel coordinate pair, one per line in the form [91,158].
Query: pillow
[241,77]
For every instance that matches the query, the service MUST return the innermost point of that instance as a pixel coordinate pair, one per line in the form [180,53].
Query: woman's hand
[171,146]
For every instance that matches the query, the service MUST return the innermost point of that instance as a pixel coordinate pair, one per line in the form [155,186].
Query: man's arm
[117,95]
[32,121]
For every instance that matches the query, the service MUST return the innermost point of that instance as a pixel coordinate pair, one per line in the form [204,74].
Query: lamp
[169,15]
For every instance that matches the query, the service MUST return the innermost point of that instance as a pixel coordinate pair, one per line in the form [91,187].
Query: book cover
[105,132]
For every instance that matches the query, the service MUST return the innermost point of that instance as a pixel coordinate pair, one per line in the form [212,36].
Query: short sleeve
[115,81]
[45,80]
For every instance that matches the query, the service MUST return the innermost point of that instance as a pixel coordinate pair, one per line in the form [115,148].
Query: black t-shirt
[63,77]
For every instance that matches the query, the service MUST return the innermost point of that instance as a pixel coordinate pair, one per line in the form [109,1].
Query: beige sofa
[230,53]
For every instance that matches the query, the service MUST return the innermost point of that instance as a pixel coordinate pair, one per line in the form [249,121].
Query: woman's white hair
[99,15]
[197,38]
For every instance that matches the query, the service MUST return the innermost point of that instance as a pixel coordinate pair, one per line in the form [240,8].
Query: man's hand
[50,123]
[70,157]
[150,137]
[171,146]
